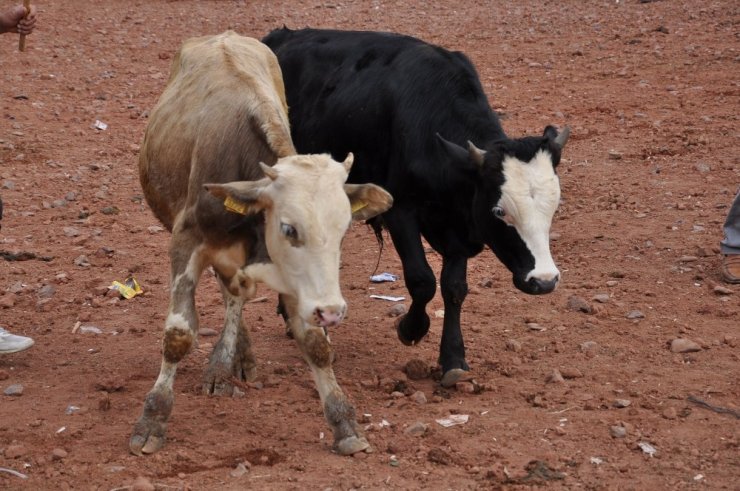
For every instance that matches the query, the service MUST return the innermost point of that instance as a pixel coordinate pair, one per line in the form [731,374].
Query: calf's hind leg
[338,410]
[232,356]
[181,327]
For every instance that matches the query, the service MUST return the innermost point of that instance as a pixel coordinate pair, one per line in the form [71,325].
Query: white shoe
[10,343]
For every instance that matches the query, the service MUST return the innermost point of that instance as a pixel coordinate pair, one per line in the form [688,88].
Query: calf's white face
[308,209]
[530,196]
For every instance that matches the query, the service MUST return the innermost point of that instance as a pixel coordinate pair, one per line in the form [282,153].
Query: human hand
[15,19]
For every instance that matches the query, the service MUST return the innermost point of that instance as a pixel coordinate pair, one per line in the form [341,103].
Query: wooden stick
[22,40]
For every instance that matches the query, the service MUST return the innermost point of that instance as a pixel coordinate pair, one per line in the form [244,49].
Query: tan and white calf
[280,222]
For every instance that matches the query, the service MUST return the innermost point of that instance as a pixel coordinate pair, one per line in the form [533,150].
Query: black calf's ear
[550,132]
[558,138]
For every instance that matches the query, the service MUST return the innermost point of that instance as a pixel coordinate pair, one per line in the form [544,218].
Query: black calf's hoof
[408,336]
[453,376]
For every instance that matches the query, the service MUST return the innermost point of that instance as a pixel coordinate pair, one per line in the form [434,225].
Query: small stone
[71,231]
[621,403]
[155,229]
[397,394]
[535,327]
[7,301]
[240,470]
[418,397]
[571,372]
[722,290]
[397,310]
[417,429]
[684,345]
[14,451]
[8,184]
[46,291]
[142,484]
[555,377]
[207,332]
[513,345]
[58,454]
[618,431]
[578,304]
[439,456]
[416,369]
[670,413]
[635,314]
[110,210]
[15,390]
[465,387]
[614,155]
[589,347]
[612,283]
[486,283]
[688,259]
[82,261]
[601,298]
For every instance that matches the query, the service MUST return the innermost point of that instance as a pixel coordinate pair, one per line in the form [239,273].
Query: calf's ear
[367,200]
[243,197]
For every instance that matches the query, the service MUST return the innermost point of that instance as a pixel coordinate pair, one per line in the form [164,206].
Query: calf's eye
[498,212]
[289,231]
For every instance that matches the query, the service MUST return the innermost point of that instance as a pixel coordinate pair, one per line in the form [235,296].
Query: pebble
[7,301]
[439,456]
[612,283]
[670,413]
[535,327]
[15,390]
[613,154]
[82,261]
[14,451]
[46,291]
[555,377]
[397,310]
[416,369]
[417,429]
[722,290]
[71,231]
[7,184]
[621,403]
[571,372]
[207,332]
[486,283]
[578,304]
[590,347]
[618,431]
[635,314]
[601,298]
[155,229]
[418,397]
[684,345]
[513,345]
[142,484]
[465,387]
[58,454]
[688,259]
[240,470]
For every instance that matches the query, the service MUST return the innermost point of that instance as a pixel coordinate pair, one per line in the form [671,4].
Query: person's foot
[731,268]
[10,343]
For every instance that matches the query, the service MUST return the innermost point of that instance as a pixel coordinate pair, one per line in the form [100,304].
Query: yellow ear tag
[235,206]
[358,205]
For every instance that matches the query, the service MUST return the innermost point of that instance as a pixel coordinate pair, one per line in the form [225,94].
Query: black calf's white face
[527,201]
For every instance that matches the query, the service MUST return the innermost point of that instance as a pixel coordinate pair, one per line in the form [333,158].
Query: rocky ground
[624,378]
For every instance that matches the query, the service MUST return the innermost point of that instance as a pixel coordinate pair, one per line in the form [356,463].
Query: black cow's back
[384,97]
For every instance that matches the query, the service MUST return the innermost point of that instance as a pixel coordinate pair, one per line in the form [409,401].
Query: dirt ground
[651,91]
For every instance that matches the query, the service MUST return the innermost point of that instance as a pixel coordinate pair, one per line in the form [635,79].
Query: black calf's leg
[418,275]
[452,348]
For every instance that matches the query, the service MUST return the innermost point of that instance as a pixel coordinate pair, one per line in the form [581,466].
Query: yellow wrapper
[129,289]
[358,205]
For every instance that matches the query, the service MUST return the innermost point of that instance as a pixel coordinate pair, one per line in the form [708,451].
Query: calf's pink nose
[329,316]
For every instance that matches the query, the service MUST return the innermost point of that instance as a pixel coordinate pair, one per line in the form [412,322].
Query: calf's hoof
[453,376]
[147,437]
[351,445]
[407,335]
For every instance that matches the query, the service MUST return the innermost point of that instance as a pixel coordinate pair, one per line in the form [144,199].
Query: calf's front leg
[338,410]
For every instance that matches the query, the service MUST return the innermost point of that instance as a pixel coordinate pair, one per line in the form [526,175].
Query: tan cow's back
[223,90]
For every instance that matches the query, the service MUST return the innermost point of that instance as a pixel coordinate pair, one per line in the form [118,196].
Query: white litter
[453,420]
[383,277]
[388,297]
[597,460]
[647,448]
[698,477]
[99,125]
